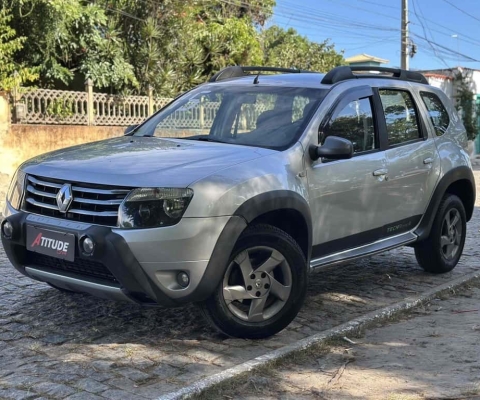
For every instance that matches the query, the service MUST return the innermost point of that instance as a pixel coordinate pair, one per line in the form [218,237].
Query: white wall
[445,84]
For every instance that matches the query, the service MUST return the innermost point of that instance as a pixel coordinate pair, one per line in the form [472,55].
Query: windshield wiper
[204,138]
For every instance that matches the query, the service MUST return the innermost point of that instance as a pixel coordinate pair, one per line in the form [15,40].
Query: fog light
[7,230]
[183,279]
[87,245]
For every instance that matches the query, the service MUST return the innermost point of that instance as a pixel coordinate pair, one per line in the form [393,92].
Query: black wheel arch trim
[244,215]
[274,201]
[452,176]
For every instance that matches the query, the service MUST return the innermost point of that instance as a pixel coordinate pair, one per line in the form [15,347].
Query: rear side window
[400,116]
[436,110]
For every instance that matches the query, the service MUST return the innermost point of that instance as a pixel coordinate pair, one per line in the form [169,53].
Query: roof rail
[344,73]
[239,71]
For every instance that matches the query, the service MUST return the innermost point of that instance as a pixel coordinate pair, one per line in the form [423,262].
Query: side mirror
[129,129]
[334,148]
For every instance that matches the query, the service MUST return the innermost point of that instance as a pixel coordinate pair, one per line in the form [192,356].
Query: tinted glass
[400,116]
[253,115]
[438,113]
[355,123]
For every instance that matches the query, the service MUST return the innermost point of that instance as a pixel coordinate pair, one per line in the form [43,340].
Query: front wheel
[441,251]
[263,287]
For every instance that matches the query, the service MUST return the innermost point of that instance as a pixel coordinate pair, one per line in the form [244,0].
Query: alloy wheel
[257,284]
[451,236]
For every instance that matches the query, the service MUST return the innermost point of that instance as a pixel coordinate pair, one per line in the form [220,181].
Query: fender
[274,201]
[456,174]
[245,214]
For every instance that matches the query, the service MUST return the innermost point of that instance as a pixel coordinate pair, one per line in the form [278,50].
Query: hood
[141,161]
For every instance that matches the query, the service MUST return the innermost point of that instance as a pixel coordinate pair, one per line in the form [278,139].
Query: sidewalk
[433,353]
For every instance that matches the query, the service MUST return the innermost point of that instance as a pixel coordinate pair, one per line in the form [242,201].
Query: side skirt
[366,250]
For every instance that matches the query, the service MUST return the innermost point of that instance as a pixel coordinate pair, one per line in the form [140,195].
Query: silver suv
[232,193]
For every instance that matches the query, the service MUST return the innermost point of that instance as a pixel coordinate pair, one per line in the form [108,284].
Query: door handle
[428,160]
[380,172]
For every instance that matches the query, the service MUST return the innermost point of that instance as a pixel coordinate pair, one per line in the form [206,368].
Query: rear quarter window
[437,112]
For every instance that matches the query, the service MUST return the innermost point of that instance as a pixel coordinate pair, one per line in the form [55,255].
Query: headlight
[153,207]
[15,191]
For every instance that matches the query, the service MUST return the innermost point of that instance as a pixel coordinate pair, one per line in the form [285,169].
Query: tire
[263,286]
[440,252]
[60,289]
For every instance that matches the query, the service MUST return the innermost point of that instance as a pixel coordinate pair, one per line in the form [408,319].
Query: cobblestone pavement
[56,346]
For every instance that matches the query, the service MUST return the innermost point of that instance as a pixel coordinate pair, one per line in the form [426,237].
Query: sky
[438,29]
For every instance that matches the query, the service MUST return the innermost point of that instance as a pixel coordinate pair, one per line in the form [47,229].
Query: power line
[378,4]
[340,24]
[447,49]
[425,33]
[464,36]
[310,15]
[462,11]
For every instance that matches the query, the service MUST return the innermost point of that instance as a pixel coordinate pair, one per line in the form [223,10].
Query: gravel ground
[54,345]
[434,354]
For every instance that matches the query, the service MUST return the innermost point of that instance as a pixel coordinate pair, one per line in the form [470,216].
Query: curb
[339,331]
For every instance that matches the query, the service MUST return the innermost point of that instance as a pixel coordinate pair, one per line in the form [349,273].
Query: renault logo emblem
[64,198]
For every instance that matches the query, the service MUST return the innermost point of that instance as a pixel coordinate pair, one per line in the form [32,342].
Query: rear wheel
[441,251]
[263,287]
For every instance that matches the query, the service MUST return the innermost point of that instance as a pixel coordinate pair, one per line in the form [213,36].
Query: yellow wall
[21,142]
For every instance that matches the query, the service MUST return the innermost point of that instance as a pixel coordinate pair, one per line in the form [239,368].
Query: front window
[256,115]
[355,123]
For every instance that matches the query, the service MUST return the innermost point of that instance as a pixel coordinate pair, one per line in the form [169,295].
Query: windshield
[256,115]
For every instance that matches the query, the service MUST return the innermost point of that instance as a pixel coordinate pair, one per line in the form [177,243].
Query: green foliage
[127,46]
[466,105]
[60,109]
[286,48]
[63,38]
[12,74]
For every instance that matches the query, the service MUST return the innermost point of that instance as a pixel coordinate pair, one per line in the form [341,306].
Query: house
[445,80]
[365,60]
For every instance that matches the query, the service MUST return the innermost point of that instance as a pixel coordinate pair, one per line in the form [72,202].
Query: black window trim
[345,98]
[421,93]
[420,122]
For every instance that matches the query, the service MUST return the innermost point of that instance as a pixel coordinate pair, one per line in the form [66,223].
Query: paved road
[54,345]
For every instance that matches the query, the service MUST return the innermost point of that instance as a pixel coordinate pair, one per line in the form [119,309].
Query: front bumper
[142,265]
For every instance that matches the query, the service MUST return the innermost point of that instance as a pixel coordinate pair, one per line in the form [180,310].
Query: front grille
[96,204]
[86,268]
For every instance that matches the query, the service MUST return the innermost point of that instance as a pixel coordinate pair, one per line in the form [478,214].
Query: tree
[12,74]
[465,104]
[66,38]
[174,46]
[126,46]
[286,48]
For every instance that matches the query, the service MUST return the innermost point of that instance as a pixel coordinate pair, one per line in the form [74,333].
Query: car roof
[311,80]
[238,75]
[302,79]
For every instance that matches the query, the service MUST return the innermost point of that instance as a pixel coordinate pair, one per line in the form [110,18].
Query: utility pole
[404,38]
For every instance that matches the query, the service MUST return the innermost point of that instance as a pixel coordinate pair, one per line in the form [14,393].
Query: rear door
[413,164]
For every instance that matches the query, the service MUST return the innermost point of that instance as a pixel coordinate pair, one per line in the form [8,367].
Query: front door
[346,195]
